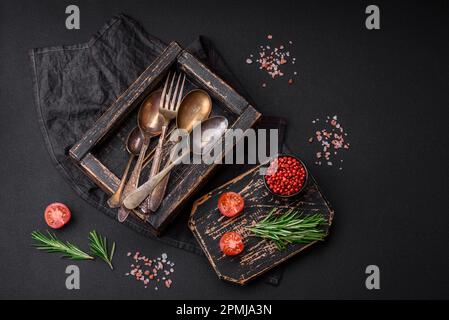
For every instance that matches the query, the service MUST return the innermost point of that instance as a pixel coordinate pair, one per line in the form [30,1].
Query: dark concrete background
[389,88]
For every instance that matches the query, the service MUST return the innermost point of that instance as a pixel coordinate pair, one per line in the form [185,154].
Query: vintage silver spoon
[133,146]
[150,124]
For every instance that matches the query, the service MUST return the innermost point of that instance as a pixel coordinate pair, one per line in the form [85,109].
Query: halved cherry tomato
[231,243]
[57,215]
[230,204]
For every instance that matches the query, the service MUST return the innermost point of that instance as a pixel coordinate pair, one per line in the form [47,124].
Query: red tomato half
[230,204]
[231,243]
[57,215]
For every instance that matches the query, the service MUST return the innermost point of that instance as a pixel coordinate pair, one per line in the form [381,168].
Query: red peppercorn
[285,176]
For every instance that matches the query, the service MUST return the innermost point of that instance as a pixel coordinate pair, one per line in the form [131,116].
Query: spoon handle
[114,200]
[155,167]
[136,197]
[155,199]
[133,181]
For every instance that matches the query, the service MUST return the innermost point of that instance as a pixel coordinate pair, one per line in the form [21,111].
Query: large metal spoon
[133,146]
[150,123]
[212,130]
[195,107]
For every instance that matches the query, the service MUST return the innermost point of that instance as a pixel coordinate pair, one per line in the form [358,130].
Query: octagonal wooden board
[259,256]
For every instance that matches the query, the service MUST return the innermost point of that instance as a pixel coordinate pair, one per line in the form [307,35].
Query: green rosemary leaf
[290,227]
[50,243]
[99,248]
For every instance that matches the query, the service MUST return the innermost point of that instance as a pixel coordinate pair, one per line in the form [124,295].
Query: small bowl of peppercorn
[286,176]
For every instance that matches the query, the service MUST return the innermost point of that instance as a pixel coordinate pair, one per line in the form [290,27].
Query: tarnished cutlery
[150,123]
[195,107]
[211,131]
[168,108]
[133,146]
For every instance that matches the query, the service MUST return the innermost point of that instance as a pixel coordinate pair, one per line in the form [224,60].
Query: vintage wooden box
[97,152]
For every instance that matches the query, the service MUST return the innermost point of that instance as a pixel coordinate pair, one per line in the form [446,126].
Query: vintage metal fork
[168,108]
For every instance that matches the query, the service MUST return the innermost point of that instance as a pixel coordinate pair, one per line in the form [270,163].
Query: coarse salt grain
[146,276]
[271,59]
[168,283]
[330,140]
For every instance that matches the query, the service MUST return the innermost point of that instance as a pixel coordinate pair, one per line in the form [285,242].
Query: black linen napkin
[75,84]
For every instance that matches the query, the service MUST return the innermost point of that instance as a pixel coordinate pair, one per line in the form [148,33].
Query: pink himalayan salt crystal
[330,140]
[168,283]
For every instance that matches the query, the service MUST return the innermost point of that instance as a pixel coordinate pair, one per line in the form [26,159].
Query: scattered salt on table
[271,59]
[330,140]
[145,276]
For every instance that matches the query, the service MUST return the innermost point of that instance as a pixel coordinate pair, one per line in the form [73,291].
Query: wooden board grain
[259,256]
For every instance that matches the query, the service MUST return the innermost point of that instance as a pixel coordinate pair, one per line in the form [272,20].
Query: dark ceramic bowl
[306,180]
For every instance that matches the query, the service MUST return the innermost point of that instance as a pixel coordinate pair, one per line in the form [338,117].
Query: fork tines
[168,101]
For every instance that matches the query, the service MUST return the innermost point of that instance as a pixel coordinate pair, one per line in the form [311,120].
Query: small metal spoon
[195,107]
[212,130]
[133,146]
[150,124]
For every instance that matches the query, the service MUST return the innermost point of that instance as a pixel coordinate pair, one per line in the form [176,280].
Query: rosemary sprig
[99,248]
[50,243]
[290,227]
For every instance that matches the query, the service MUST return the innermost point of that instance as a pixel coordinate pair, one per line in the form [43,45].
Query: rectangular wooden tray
[259,256]
[96,152]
